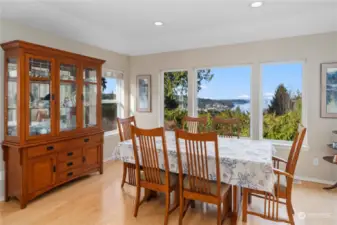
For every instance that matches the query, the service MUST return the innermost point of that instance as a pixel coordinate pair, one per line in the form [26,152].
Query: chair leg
[137,201]
[219,220]
[124,175]
[244,205]
[181,209]
[292,207]
[290,213]
[249,199]
[167,203]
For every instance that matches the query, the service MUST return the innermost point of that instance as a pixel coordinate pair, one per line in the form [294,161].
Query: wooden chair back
[227,127]
[195,124]
[196,154]
[148,154]
[295,150]
[124,127]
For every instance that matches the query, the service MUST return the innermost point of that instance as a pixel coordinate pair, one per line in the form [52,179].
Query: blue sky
[110,86]
[234,82]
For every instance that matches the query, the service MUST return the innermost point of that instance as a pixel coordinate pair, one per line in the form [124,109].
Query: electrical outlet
[316,162]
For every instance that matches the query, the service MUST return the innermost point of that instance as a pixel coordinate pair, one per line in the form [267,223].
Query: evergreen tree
[281,101]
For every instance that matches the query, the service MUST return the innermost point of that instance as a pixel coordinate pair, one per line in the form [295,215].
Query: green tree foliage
[280,103]
[176,83]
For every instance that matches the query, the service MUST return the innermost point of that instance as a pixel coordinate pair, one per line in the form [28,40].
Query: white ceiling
[126,26]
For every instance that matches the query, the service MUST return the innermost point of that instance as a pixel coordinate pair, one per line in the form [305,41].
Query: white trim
[108,159]
[314,180]
[2,175]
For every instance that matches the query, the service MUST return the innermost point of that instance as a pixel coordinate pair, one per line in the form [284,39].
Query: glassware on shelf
[90,75]
[39,68]
[67,106]
[39,108]
[67,72]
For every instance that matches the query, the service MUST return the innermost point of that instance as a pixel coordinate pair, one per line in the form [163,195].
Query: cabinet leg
[23,204]
[331,187]
[101,170]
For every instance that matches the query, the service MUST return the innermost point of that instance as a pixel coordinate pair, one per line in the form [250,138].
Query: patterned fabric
[245,163]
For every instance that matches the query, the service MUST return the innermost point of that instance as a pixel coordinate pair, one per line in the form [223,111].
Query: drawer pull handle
[70,164]
[70,154]
[86,139]
[69,174]
[49,148]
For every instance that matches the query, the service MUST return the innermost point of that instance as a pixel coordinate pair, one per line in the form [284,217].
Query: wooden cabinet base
[31,171]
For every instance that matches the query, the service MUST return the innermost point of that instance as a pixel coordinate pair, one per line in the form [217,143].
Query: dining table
[244,163]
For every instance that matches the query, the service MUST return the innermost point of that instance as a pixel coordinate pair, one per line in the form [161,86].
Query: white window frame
[282,143]
[119,95]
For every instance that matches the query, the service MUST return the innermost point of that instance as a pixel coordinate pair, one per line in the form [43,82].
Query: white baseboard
[108,159]
[314,180]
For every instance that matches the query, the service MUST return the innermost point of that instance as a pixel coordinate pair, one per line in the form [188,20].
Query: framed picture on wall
[143,100]
[329,90]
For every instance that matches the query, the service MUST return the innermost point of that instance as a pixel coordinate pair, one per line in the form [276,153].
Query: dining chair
[124,129]
[151,177]
[197,185]
[227,127]
[282,188]
[194,124]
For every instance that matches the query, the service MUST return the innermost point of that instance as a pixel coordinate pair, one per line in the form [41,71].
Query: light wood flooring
[99,200]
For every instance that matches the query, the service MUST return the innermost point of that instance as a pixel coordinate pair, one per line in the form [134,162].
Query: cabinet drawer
[92,139]
[70,174]
[70,164]
[42,150]
[69,154]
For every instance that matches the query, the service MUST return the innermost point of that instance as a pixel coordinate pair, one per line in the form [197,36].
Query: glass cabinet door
[89,97]
[68,90]
[40,96]
[11,98]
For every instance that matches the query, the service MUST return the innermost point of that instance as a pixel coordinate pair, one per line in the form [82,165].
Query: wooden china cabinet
[52,125]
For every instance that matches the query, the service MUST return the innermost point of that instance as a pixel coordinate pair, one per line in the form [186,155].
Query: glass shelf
[12,75]
[90,75]
[39,68]
[68,72]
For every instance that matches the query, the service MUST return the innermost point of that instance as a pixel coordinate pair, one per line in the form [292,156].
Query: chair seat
[173,177]
[283,184]
[213,185]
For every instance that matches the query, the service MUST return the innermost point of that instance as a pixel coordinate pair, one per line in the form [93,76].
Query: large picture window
[175,97]
[225,93]
[112,85]
[282,100]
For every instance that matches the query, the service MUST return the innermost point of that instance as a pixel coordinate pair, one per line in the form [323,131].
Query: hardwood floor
[99,200]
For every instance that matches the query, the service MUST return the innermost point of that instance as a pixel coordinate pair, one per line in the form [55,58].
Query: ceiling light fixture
[256,4]
[158,23]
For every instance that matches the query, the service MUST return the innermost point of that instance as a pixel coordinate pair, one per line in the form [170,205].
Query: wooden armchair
[151,177]
[124,129]
[282,188]
[227,127]
[197,184]
[195,124]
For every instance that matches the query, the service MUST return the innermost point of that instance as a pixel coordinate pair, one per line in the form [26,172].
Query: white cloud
[244,96]
[203,87]
[268,95]
[332,70]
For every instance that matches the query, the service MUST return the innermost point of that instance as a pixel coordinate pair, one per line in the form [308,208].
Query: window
[112,86]
[282,100]
[175,97]
[225,92]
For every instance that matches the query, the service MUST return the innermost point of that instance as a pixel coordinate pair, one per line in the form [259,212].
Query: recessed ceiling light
[256,4]
[158,23]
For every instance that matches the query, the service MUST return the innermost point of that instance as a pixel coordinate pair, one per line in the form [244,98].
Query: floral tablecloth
[243,162]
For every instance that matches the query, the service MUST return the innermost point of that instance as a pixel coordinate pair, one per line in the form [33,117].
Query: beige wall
[312,50]
[13,31]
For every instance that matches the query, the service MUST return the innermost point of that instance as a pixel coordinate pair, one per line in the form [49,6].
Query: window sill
[111,133]
[286,145]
